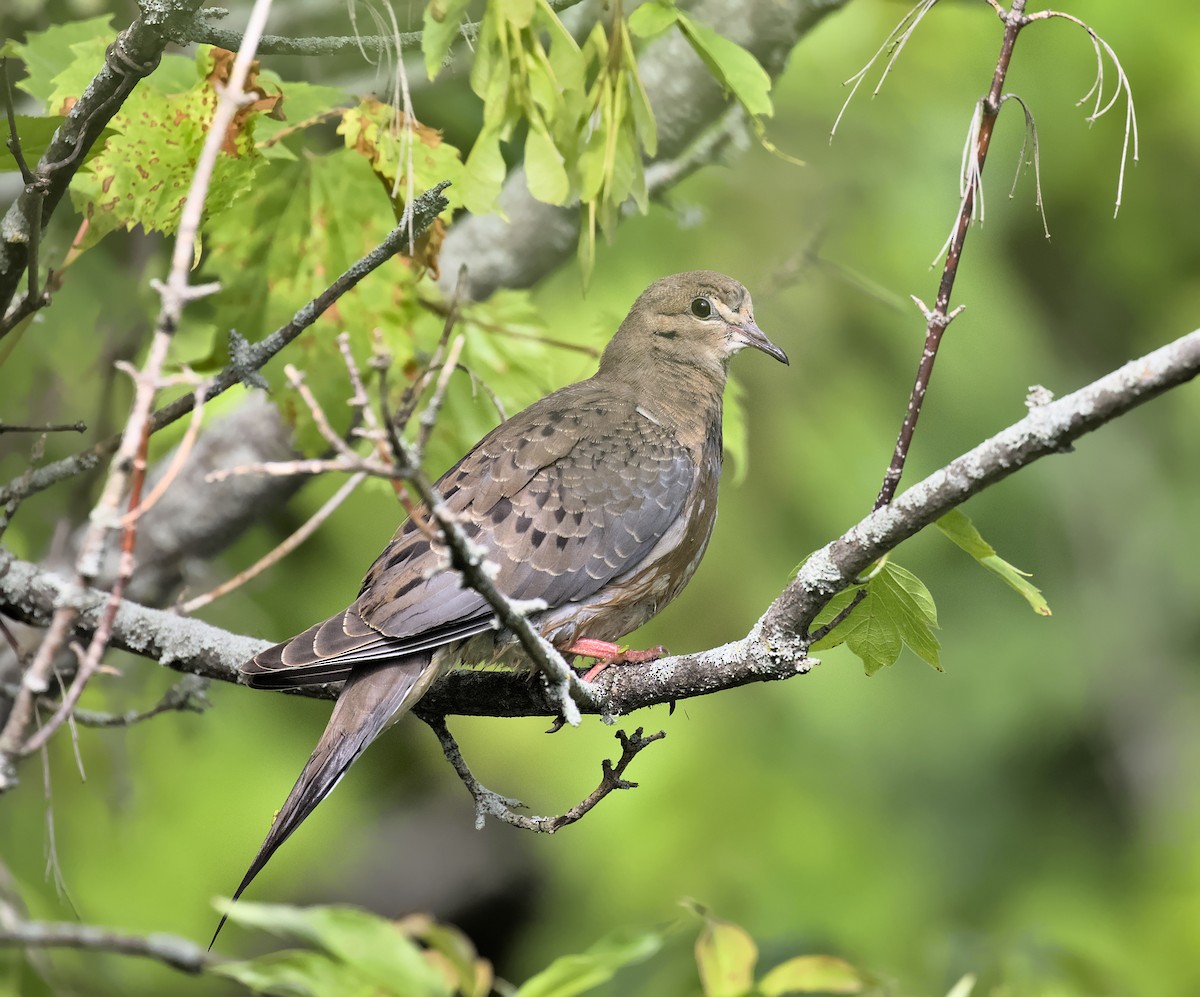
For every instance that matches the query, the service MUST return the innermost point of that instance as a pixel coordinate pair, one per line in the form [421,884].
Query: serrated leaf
[48,53]
[735,68]
[809,974]
[371,948]
[652,19]
[143,174]
[545,174]
[958,527]
[301,105]
[897,611]
[303,224]
[569,975]
[393,143]
[441,29]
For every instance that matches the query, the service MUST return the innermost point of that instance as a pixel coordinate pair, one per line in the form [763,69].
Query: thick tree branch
[776,646]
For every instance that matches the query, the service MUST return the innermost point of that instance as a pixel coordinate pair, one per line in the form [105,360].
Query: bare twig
[128,468]
[939,317]
[208,34]
[188,695]
[489,804]
[281,550]
[49,427]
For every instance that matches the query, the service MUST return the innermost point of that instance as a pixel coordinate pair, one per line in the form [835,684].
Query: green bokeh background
[1030,815]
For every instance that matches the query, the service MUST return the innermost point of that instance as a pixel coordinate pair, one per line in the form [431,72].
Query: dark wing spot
[561,542]
[407,587]
[501,511]
[523,523]
[536,537]
[560,514]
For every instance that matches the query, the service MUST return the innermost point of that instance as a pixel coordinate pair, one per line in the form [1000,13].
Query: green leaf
[808,974]
[297,974]
[518,13]
[166,131]
[301,106]
[639,102]
[392,143]
[576,974]
[735,68]
[300,226]
[50,52]
[897,611]
[472,976]
[725,957]
[441,28]
[652,19]
[35,134]
[545,174]
[483,175]
[959,528]
[371,948]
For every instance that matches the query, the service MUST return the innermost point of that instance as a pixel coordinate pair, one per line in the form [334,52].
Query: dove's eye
[702,308]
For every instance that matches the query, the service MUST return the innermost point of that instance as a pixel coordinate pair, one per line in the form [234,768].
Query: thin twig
[939,317]
[490,804]
[279,552]
[127,470]
[49,427]
[178,953]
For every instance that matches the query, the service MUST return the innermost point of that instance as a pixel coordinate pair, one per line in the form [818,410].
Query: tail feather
[370,702]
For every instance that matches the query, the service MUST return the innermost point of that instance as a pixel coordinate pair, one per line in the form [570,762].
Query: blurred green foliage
[1029,816]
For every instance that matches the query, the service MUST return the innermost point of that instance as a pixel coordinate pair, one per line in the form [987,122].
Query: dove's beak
[751,335]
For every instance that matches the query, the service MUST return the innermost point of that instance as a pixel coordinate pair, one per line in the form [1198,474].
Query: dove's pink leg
[607,653]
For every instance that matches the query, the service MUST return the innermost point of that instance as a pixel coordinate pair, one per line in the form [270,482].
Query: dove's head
[695,320]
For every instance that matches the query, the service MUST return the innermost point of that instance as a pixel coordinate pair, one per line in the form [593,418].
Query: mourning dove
[598,500]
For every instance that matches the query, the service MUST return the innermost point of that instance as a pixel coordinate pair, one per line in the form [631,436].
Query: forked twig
[490,804]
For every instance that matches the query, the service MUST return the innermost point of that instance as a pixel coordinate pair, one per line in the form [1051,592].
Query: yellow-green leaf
[545,173]
[809,974]
[735,68]
[897,611]
[725,957]
[569,975]
[958,527]
[441,26]
[653,18]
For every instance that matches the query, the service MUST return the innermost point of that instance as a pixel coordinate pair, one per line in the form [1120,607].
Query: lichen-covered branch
[776,646]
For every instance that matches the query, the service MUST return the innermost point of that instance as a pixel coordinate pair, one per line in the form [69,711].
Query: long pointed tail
[369,702]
